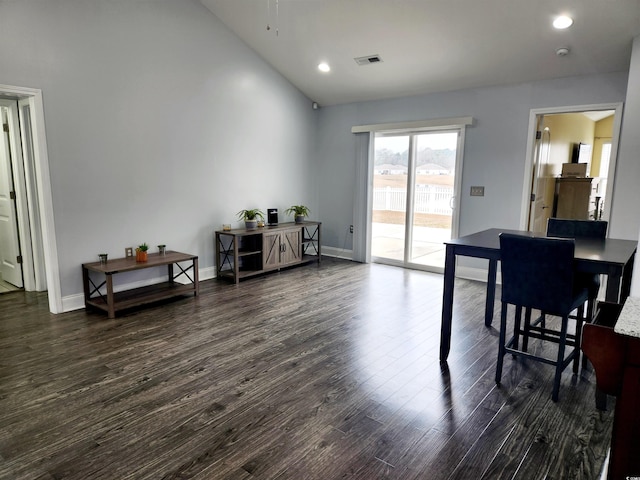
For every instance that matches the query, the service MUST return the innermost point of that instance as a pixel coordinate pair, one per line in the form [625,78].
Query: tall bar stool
[537,274]
[568,228]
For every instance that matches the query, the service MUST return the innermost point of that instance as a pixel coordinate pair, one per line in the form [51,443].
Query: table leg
[627,274]
[613,287]
[110,300]
[491,292]
[447,302]
[236,260]
[85,284]
[196,282]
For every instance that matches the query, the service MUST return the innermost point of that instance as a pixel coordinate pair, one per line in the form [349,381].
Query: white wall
[495,147]
[627,198]
[161,124]
[625,220]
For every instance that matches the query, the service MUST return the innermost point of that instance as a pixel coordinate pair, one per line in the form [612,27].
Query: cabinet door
[291,245]
[270,250]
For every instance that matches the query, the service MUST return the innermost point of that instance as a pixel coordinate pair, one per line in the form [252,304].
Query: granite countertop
[629,321]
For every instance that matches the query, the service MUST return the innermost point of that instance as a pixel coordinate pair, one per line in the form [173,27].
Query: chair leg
[517,329]
[501,342]
[559,364]
[578,342]
[590,307]
[527,325]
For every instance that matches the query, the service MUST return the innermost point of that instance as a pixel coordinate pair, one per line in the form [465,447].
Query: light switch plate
[477,191]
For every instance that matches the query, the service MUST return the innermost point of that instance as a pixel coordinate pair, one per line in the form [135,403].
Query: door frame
[457,186]
[11,160]
[42,181]
[531,146]
[363,193]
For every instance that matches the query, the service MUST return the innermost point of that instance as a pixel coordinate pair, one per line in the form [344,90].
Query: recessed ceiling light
[324,67]
[562,22]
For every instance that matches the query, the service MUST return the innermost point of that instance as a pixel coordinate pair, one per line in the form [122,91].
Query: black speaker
[272,216]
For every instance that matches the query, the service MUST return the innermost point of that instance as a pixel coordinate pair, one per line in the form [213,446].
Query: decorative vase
[299,218]
[162,249]
[250,224]
[141,256]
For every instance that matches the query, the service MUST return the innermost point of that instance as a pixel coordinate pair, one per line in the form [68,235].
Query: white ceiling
[429,45]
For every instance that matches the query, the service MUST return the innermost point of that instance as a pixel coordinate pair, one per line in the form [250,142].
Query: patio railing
[428,199]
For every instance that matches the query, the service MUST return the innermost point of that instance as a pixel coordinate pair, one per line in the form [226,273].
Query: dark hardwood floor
[318,372]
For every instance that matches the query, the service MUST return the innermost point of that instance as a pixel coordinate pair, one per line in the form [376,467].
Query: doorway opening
[413,204]
[32,189]
[563,141]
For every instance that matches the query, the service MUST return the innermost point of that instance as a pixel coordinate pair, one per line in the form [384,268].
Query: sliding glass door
[413,197]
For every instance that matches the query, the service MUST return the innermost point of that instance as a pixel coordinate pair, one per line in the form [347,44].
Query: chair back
[567,228]
[537,272]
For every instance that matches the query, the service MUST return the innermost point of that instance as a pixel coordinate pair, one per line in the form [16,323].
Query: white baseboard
[337,252]
[72,302]
[477,274]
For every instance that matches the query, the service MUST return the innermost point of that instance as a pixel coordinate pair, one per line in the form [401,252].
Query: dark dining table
[611,257]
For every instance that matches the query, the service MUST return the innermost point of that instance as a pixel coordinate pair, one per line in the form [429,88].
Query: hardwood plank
[325,371]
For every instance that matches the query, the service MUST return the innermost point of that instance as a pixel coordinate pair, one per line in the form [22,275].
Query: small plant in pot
[250,217]
[141,252]
[299,212]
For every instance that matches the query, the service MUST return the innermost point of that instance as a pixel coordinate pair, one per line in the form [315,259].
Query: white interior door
[10,268]
[541,203]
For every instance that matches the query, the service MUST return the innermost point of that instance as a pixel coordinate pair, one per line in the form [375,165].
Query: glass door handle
[452,202]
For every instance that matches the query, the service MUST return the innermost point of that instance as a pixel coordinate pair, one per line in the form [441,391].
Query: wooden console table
[243,253]
[95,296]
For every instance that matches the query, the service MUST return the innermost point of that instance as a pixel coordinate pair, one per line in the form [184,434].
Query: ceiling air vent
[368,60]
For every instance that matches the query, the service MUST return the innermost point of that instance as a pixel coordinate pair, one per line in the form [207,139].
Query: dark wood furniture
[537,274]
[571,228]
[243,253]
[616,360]
[100,294]
[572,198]
[611,257]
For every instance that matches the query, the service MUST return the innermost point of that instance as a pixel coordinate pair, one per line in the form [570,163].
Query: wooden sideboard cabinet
[243,253]
[281,248]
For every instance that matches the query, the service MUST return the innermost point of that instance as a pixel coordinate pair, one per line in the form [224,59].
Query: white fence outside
[428,199]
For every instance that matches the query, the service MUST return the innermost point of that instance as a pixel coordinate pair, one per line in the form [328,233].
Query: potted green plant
[141,252]
[299,212]
[250,217]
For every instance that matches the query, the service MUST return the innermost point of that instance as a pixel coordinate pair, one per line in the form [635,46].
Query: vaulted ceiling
[429,45]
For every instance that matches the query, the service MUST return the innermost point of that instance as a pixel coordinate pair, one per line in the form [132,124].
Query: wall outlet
[350,228]
[477,191]
[128,252]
